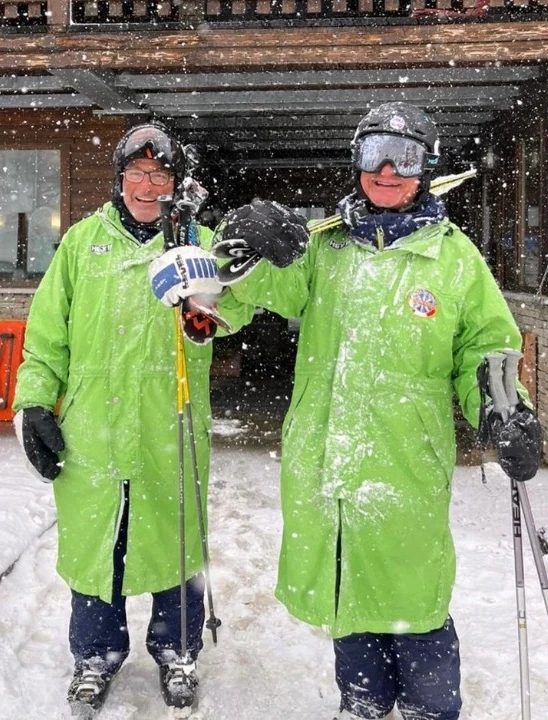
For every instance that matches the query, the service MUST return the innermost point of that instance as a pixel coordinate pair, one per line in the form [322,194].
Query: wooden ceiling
[283,117]
[284,96]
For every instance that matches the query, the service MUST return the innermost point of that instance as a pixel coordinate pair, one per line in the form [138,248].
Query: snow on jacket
[386,337]
[97,336]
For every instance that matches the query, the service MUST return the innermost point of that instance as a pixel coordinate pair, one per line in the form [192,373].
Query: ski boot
[179,686]
[88,690]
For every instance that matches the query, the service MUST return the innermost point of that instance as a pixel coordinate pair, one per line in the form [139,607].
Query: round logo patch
[397,122]
[423,303]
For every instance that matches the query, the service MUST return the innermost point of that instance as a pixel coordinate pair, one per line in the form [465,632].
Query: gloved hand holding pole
[184,410]
[513,428]
[515,433]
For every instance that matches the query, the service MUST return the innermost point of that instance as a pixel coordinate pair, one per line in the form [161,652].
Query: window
[30,210]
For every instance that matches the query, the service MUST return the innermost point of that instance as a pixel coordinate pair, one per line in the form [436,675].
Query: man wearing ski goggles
[408,157]
[393,156]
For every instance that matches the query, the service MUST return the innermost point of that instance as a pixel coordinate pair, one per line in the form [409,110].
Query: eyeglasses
[157,177]
[408,157]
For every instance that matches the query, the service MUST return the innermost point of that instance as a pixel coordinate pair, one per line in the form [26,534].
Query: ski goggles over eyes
[408,157]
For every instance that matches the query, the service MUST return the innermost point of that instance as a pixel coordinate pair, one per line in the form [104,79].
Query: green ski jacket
[98,337]
[386,338]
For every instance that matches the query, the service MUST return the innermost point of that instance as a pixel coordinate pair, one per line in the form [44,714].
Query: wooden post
[528,369]
[59,14]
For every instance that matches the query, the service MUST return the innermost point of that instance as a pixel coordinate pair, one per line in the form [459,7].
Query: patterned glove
[182,272]
[260,229]
[41,439]
[200,319]
[518,442]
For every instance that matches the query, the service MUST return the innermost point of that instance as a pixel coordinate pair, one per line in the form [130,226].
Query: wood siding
[290,48]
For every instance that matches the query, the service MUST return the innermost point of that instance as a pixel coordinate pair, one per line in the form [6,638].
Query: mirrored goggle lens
[153,139]
[408,157]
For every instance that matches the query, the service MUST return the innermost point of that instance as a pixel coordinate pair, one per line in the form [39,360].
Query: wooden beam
[295,162]
[288,48]
[59,100]
[482,75]
[347,120]
[260,146]
[280,99]
[311,134]
[98,87]
[252,110]
[28,83]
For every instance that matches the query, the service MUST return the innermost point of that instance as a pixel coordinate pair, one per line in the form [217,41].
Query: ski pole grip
[511,362]
[185,218]
[496,384]
[166,205]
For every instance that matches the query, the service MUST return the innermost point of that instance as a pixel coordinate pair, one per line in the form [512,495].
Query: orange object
[12,333]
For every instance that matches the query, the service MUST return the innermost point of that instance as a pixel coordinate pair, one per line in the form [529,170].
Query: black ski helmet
[152,140]
[398,118]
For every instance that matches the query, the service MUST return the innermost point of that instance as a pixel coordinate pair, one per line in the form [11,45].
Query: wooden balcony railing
[157,14]
[230,10]
[29,14]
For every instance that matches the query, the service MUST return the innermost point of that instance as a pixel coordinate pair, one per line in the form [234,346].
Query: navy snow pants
[99,629]
[421,672]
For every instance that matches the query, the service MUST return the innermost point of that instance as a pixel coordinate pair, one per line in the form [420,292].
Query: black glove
[42,440]
[261,229]
[518,442]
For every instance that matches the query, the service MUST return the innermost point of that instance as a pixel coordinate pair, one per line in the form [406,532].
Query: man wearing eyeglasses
[98,338]
[144,180]
[397,311]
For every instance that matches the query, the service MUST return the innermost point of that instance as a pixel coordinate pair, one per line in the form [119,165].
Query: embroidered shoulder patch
[101,249]
[423,303]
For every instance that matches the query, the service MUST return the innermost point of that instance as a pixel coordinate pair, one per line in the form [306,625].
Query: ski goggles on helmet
[408,157]
[149,142]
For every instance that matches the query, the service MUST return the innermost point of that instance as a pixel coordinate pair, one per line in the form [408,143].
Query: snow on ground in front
[266,665]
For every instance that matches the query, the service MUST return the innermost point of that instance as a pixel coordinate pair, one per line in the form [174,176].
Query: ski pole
[520,602]
[165,202]
[535,537]
[502,378]
[184,411]
[212,623]
[501,406]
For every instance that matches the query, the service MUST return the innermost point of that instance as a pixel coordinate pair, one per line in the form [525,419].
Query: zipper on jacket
[124,497]
[338,564]
[380,238]
[124,510]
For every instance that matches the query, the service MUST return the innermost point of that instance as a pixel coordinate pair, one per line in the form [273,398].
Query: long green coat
[97,336]
[368,441]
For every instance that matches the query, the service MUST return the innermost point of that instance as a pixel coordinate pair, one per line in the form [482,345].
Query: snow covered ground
[266,666]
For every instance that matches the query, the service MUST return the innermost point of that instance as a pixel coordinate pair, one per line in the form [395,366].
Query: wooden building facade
[269,92]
